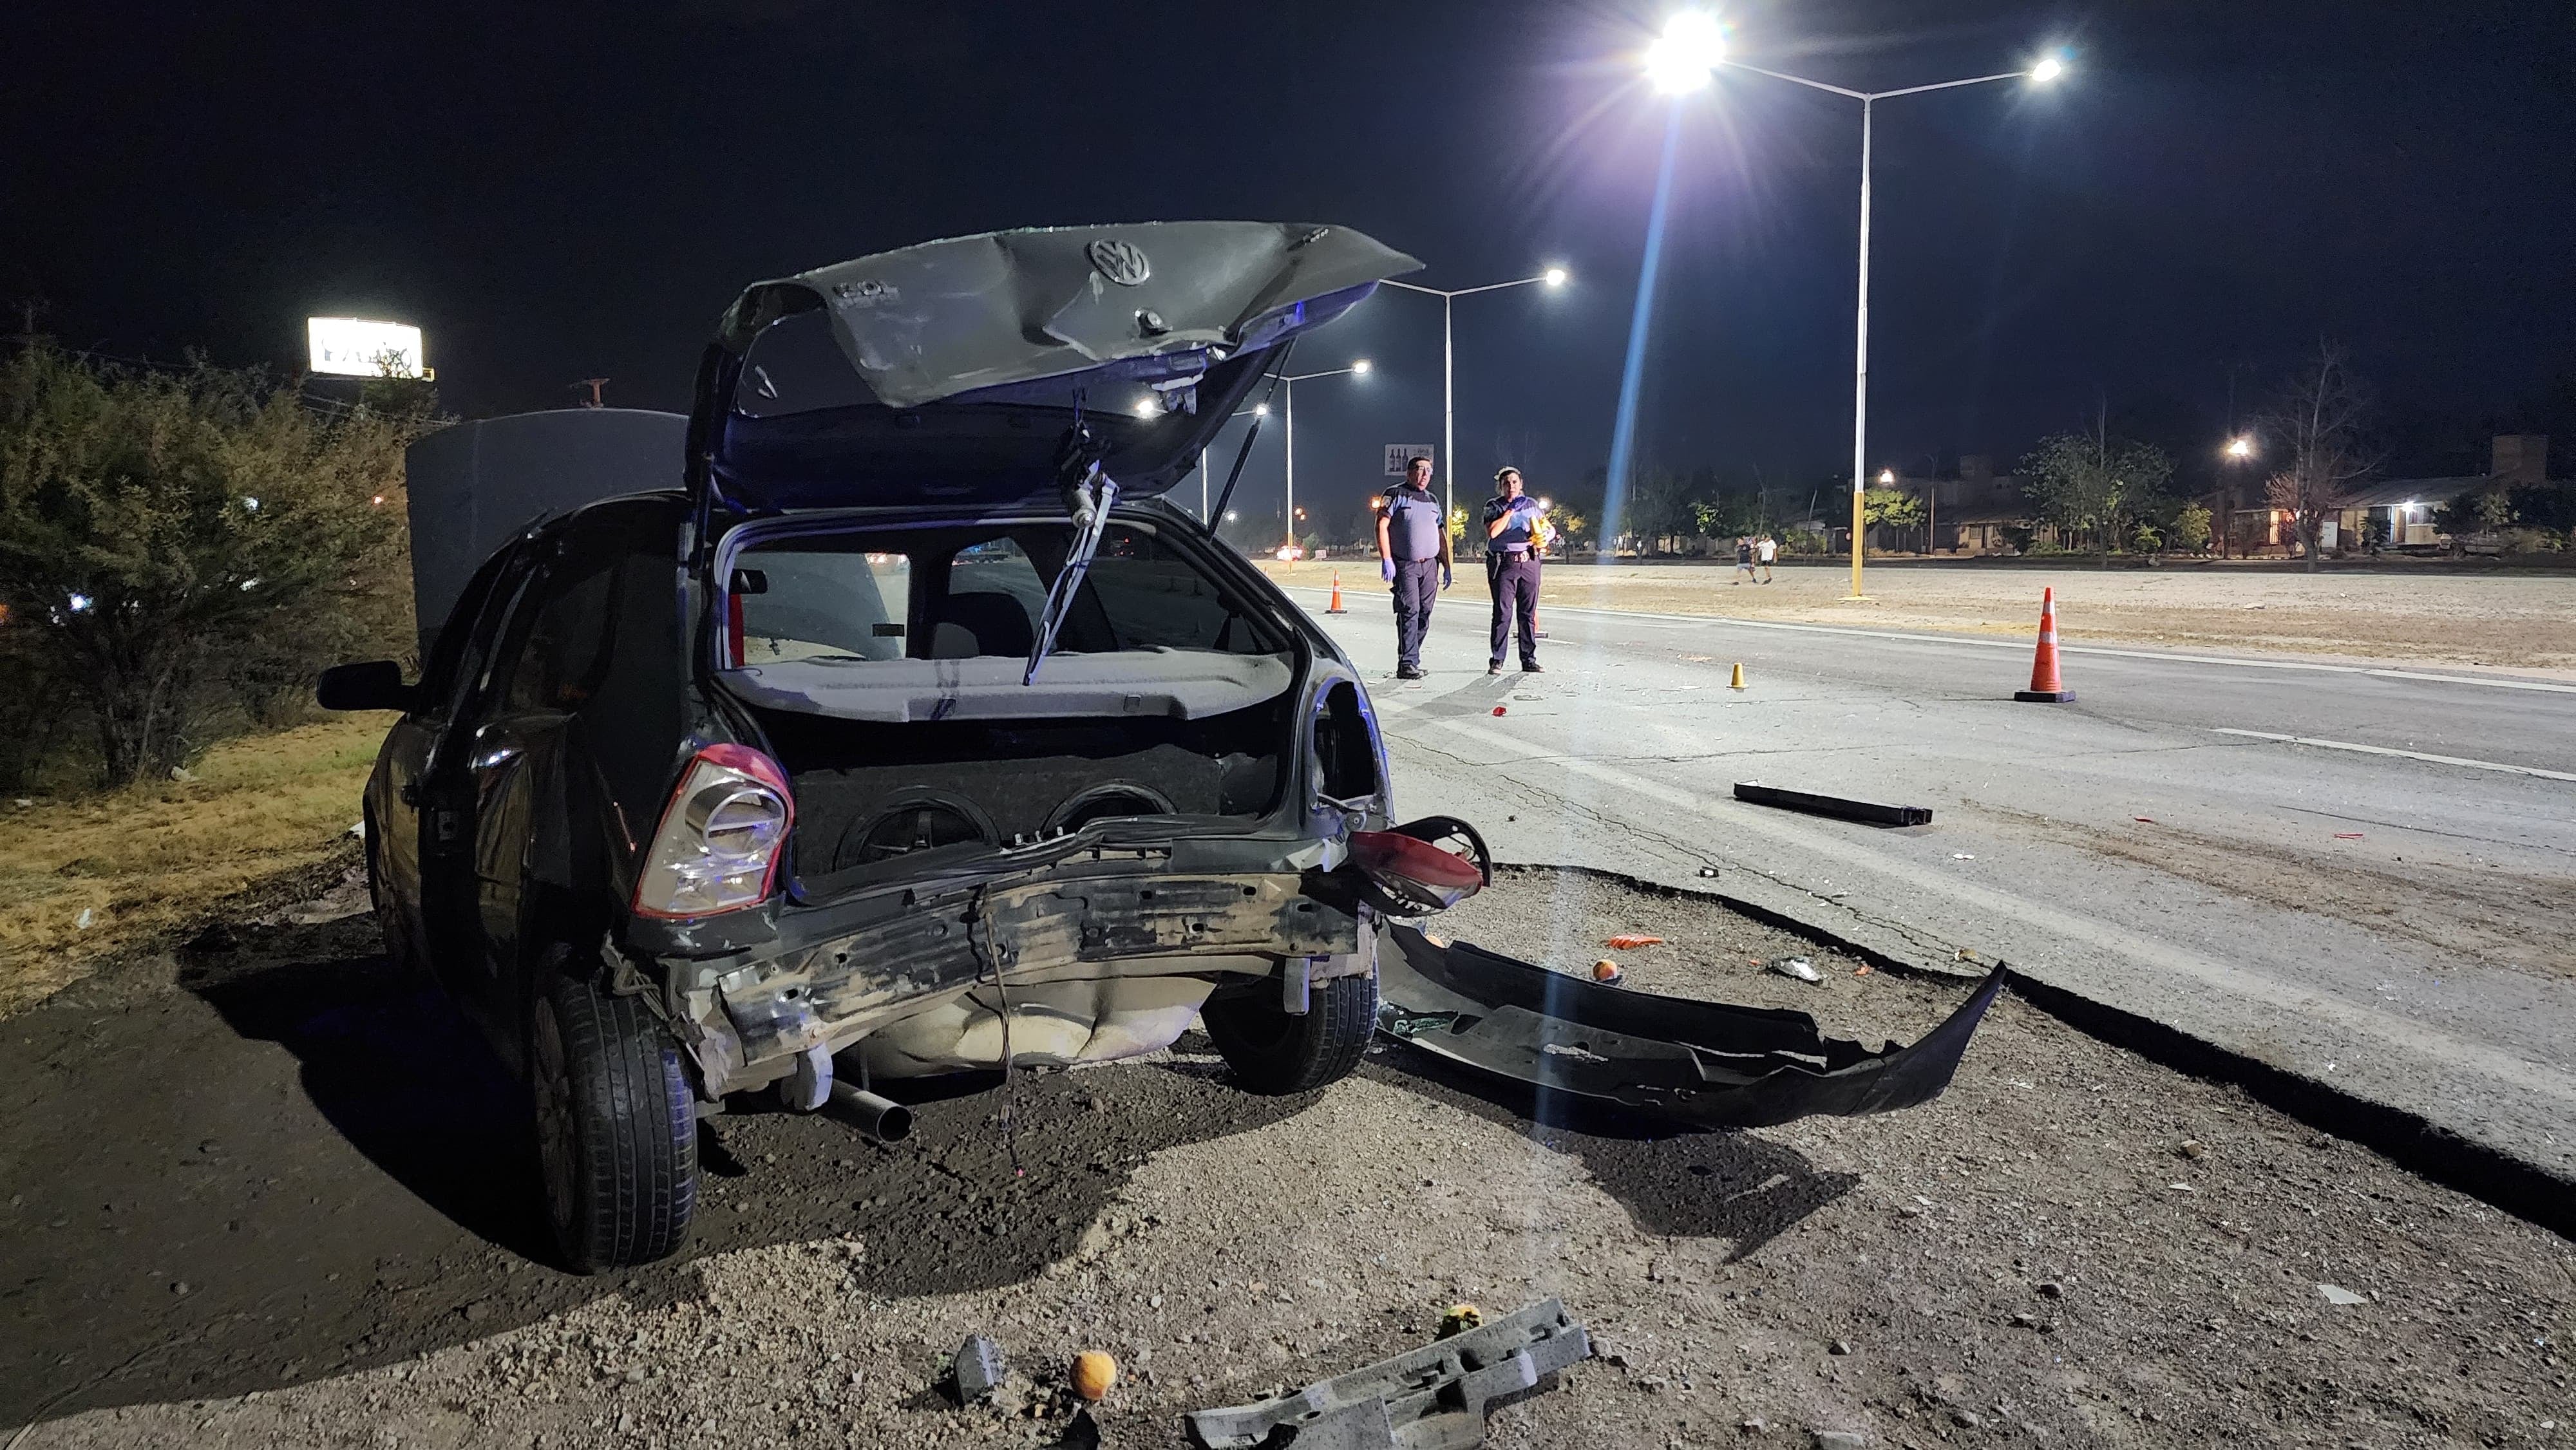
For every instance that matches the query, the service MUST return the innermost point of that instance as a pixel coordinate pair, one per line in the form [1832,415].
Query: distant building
[2399,511]
[1978,512]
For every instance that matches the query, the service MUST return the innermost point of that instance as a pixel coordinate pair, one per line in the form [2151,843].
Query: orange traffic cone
[2044,685]
[1334,605]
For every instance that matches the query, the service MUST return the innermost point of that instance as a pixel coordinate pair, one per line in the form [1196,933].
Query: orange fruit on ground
[1093,1374]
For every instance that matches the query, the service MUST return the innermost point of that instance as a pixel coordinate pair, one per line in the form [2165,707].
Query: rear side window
[808,603]
[564,651]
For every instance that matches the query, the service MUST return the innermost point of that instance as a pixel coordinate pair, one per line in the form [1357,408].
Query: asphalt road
[2388,912]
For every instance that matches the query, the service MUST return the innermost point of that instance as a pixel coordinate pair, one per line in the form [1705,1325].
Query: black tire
[617,1126]
[1273,1052]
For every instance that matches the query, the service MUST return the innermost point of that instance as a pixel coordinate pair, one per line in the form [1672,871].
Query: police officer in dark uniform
[1511,569]
[1413,555]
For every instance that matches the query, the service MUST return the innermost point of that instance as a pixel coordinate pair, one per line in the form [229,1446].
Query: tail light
[1422,866]
[721,836]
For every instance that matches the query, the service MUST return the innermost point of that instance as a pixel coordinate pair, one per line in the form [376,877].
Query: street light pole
[2047,70]
[1860,348]
[1288,421]
[1553,277]
[1693,46]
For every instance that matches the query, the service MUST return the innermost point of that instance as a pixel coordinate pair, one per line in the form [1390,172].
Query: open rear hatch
[996,369]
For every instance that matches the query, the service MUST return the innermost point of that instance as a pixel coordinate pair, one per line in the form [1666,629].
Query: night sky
[557,191]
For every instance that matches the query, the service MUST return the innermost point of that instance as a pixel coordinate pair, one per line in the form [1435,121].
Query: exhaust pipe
[883,1119]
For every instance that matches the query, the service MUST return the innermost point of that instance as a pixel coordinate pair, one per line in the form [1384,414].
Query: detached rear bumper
[1705,1064]
[839,974]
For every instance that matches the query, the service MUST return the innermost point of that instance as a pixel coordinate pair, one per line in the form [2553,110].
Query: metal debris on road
[1430,1398]
[1704,1064]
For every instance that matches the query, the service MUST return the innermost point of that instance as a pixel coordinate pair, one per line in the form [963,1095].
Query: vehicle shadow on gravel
[1733,1186]
[302,1163]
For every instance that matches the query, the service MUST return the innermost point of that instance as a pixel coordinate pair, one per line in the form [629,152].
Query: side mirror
[375,685]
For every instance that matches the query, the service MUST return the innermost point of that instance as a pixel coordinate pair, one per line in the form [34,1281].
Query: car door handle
[410,793]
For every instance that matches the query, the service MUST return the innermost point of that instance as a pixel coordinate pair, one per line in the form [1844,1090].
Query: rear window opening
[886,670]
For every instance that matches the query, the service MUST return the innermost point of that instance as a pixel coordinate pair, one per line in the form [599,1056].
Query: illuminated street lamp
[1288,421]
[1552,277]
[1682,59]
[2238,452]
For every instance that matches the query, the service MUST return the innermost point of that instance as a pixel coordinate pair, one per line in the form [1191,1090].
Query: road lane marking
[2104,651]
[2408,754]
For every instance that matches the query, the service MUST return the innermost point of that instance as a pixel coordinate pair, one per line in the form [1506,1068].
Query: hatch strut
[1089,500]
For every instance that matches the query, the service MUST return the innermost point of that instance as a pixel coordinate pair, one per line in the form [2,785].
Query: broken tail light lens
[721,837]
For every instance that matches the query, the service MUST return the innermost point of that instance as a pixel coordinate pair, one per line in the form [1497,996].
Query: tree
[2318,421]
[2095,485]
[1893,508]
[2191,527]
[186,545]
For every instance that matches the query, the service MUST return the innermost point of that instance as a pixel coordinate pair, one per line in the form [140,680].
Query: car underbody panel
[1705,1064]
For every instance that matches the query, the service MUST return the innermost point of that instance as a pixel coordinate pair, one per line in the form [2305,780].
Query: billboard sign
[1397,453]
[353,347]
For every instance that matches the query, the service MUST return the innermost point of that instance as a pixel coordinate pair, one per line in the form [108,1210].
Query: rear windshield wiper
[1088,499]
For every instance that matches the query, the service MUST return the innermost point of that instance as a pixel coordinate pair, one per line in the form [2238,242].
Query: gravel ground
[2073,1247]
[2523,620]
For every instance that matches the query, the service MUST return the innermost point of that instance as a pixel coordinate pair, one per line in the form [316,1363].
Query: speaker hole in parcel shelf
[920,822]
[1102,802]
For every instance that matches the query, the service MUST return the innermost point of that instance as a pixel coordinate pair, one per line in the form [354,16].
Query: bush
[181,551]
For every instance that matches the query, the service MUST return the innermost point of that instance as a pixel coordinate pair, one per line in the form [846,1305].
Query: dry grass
[2519,620]
[151,859]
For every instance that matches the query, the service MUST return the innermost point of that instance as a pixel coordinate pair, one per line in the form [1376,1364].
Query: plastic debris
[1861,971]
[85,920]
[1798,967]
[979,1368]
[2348,835]
[1626,943]
[1499,710]
[1709,872]
[1460,1319]
[2337,1294]
[1961,856]
[1094,1373]
[2144,820]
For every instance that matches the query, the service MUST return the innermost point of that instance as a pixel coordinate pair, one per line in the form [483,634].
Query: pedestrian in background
[1743,557]
[1766,549]
[1512,543]
[1413,556]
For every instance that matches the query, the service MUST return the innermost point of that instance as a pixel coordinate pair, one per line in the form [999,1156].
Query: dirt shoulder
[297,1229]
[2510,619]
[89,879]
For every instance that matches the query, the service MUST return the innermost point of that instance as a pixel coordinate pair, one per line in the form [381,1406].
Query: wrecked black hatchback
[902,729]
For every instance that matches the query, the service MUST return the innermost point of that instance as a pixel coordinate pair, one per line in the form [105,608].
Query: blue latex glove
[1446,578]
[1386,570]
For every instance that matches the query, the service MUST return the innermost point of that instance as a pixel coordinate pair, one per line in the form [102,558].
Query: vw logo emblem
[1121,262]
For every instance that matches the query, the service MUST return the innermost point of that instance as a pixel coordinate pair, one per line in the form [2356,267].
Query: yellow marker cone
[1737,683]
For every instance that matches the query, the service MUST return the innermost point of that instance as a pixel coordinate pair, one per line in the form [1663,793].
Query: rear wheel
[1274,1051]
[617,1127]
